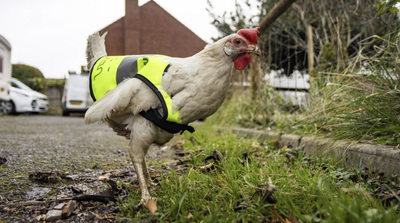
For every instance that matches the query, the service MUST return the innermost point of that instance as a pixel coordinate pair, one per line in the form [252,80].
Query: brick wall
[115,37]
[150,29]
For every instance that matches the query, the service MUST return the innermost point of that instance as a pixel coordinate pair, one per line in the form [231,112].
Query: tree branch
[275,12]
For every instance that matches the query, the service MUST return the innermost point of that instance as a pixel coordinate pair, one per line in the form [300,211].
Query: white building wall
[5,68]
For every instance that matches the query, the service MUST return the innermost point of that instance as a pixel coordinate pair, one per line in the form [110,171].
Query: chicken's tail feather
[95,48]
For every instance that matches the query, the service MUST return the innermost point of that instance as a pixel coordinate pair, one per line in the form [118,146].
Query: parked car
[76,96]
[24,99]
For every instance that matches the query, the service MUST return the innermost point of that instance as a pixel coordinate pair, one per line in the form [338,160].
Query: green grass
[308,189]
[268,110]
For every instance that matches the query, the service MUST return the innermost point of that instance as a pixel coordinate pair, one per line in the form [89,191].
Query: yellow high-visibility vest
[109,71]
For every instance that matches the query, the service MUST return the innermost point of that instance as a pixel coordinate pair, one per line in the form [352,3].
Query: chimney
[132,27]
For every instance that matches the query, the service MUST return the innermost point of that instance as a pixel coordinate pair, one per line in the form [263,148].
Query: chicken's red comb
[250,34]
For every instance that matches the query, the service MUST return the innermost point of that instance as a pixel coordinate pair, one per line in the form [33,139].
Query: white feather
[129,98]
[95,48]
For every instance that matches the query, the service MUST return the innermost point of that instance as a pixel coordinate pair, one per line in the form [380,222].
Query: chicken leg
[142,183]
[147,177]
[140,169]
[137,152]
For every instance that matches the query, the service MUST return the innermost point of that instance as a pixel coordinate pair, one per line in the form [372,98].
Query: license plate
[75,103]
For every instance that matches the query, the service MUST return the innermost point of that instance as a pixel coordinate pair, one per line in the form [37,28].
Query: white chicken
[196,87]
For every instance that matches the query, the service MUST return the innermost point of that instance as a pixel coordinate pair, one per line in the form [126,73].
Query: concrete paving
[378,158]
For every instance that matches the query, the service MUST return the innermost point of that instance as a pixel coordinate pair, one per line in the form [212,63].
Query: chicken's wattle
[241,61]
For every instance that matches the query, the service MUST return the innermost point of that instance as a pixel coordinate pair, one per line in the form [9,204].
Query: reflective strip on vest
[109,71]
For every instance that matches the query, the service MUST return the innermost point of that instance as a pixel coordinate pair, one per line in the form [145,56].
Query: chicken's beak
[253,49]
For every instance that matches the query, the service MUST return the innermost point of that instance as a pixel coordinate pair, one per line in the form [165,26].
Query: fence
[54,94]
[294,87]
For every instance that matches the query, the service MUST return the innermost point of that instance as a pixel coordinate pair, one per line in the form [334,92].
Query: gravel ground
[78,153]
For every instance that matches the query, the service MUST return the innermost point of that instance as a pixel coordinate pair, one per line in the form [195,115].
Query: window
[14,85]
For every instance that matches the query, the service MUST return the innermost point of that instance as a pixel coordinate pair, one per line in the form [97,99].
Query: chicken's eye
[238,41]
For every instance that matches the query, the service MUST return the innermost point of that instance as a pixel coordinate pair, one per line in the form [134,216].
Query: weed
[363,102]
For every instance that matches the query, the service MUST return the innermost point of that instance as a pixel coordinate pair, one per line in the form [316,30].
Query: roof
[5,42]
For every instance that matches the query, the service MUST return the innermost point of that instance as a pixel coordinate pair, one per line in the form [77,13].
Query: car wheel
[8,107]
[65,112]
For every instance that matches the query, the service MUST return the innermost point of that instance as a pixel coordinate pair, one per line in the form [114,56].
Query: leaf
[348,175]
[255,145]
[218,155]
[221,184]
[393,10]
[178,145]
[292,218]
[381,11]
[391,4]
[381,141]
[242,163]
[241,206]
[379,5]
[151,205]
[371,212]
[395,128]
[385,7]
[207,167]
[104,178]
[391,142]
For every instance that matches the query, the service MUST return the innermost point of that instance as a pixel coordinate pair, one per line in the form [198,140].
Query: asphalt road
[49,143]
[52,143]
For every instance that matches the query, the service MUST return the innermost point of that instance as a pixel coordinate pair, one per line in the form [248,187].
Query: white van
[5,70]
[76,96]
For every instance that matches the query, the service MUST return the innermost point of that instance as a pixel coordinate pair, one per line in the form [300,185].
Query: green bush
[41,84]
[24,72]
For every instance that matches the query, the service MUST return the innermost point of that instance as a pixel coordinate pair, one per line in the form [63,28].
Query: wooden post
[310,54]
[310,48]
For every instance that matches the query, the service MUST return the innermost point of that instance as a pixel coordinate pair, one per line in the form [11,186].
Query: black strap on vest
[154,116]
[172,127]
